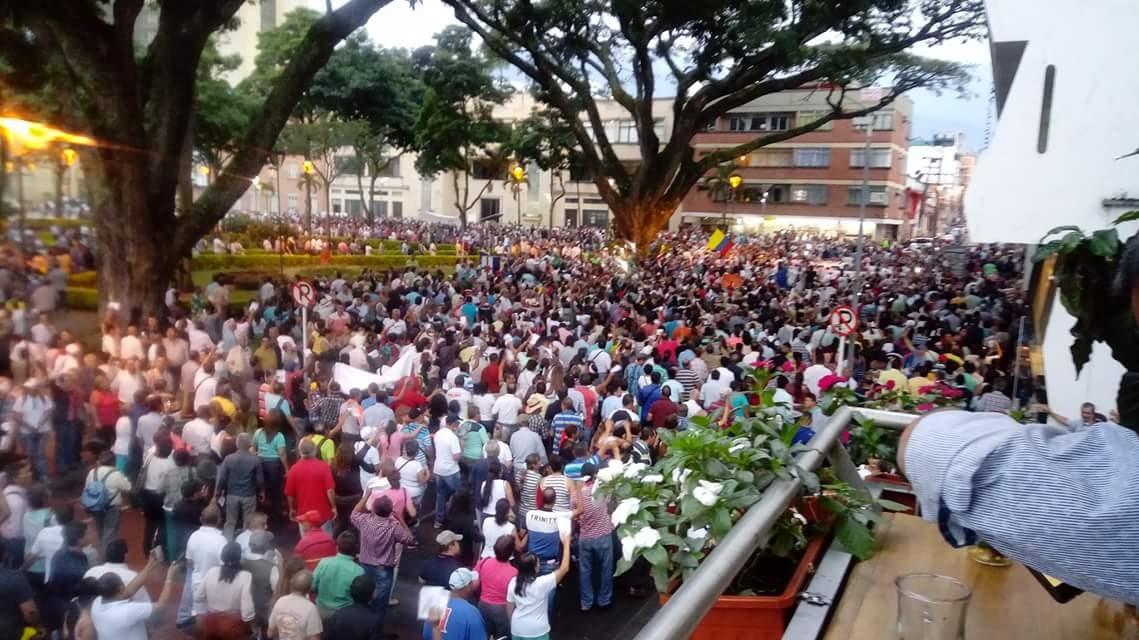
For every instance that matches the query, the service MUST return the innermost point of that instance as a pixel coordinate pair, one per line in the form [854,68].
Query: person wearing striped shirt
[688,379]
[566,417]
[595,543]
[1064,503]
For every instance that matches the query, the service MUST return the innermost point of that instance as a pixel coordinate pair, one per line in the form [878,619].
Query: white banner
[350,377]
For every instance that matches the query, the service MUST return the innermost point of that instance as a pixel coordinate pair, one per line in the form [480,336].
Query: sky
[399,25]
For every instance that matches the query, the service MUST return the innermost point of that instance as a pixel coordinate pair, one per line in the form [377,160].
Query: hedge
[81,298]
[45,224]
[214,262]
[82,279]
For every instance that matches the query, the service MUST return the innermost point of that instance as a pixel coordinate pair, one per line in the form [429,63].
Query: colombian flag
[719,242]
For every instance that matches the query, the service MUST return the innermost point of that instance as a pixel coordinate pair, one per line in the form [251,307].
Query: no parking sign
[304,293]
[843,321]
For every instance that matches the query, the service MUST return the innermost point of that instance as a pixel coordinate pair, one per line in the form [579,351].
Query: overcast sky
[398,25]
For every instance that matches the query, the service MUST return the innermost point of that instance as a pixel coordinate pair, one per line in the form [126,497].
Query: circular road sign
[843,321]
[304,293]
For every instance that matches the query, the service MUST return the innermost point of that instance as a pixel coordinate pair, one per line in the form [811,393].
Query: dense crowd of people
[467,411]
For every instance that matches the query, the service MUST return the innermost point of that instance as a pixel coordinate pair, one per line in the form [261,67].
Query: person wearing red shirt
[309,486]
[662,409]
[315,542]
[407,395]
[492,374]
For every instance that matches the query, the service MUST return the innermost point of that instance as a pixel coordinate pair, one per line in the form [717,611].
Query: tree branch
[262,131]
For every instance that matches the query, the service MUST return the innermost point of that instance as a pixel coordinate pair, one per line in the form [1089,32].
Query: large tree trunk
[640,224]
[136,260]
[59,168]
[185,173]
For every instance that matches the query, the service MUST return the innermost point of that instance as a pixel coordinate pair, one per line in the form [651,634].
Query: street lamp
[734,182]
[518,178]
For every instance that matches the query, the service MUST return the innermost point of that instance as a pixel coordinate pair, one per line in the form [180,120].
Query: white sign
[304,293]
[843,321]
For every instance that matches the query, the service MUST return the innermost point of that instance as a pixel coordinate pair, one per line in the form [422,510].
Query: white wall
[1018,193]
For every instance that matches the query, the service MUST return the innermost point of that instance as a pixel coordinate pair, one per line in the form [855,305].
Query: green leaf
[810,481]
[716,469]
[1043,252]
[623,565]
[656,555]
[721,522]
[1105,243]
[763,478]
[660,578]
[890,505]
[855,537]
[1081,351]
[1127,217]
[742,500]
[1057,230]
[745,477]
[1072,240]
[671,539]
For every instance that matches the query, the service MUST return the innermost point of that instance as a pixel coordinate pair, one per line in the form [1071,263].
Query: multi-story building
[812,181]
[939,170]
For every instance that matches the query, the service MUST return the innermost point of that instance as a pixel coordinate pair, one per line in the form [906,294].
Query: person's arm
[1058,418]
[360,508]
[219,486]
[510,495]
[564,567]
[247,610]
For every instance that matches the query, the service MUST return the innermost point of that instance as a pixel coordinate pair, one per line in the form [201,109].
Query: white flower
[628,546]
[634,470]
[708,492]
[698,534]
[739,444]
[654,478]
[628,507]
[646,537]
[680,475]
[603,476]
[798,516]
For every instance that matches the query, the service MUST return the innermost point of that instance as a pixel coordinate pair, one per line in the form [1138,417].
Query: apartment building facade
[813,181]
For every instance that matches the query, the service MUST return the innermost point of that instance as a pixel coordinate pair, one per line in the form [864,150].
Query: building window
[809,193]
[627,132]
[595,217]
[380,207]
[292,200]
[389,170]
[759,122]
[883,121]
[486,170]
[807,117]
[877,196]
[268,15]
[397,208]
[490,209]
[879,158]
[772,158]
[355,207]
[658,128]
[760,193]
[293,170]
[813,157]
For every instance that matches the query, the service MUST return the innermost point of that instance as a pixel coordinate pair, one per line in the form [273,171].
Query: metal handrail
[679,617]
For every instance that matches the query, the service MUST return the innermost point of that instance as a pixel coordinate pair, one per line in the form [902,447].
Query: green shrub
[271,261]
[82,279]
[45,224]
[81,298]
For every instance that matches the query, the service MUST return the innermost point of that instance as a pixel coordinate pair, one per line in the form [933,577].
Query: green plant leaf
[1105,243]
[671,539]
[855,537]
[745,477]
[1044,251]
[716,469]
[623,565]
[1127,217]
[721,522]
[1081,351]
[890,505]
[1072,240]
[660,578]
[1057,230]
[656,555]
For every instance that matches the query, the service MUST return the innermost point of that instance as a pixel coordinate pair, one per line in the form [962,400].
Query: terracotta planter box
[757,617]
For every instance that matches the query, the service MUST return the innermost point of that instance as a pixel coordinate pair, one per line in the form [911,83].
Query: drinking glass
[931,607]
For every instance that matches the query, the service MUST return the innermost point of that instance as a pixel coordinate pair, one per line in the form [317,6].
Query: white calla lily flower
[708,492]
[624,510]
[653,478]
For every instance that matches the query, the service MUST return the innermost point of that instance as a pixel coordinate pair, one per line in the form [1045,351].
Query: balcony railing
[677,619]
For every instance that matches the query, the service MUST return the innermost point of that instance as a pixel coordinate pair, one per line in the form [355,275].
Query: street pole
[854,298]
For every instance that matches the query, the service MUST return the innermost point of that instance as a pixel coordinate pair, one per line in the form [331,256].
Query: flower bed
[269,261]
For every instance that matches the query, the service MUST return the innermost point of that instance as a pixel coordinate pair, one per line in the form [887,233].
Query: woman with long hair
[499,526]
[226,591]
[346,483]
[494,488]
[530,595]
[270,444]
[460,518]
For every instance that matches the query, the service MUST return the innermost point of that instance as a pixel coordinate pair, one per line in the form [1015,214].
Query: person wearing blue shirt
[470,311]
[460,620]
[649,394]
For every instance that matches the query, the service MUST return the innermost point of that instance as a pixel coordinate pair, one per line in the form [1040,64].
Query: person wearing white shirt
[205,385]
[505,409]
[127,382]
[203,552]
[526,379]
[459,394]
[116,563]
[116,615]
[710,391]
[131,345]
[484,402]
[198,432]
[448,450]
[50,540]
[42,332]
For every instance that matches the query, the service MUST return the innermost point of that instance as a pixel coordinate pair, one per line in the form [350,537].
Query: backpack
[96,497]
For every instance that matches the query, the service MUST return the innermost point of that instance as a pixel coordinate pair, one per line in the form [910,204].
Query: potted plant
[675,512]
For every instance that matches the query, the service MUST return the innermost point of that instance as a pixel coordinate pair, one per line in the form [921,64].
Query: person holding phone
[528,595]
[116,614]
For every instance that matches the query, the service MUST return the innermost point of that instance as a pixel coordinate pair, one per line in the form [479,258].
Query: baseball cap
[462,577]
[312,518]
[588,470]
[261,539]
[445,538]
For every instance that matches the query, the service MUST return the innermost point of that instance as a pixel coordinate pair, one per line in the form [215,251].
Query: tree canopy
[711,57]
